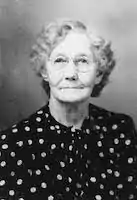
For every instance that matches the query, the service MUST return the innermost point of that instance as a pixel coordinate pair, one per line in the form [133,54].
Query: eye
[82,61]
[60,60]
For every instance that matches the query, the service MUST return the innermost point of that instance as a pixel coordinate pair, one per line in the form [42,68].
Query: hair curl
[54,33]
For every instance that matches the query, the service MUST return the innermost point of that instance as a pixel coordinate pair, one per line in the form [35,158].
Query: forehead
[73,44]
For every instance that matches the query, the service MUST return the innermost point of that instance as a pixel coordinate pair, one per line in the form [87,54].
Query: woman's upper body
[70,149]
[42,159]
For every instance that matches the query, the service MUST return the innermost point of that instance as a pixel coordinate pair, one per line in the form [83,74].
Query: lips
[72,88]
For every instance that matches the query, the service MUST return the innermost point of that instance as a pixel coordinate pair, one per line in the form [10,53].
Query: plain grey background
[20,22]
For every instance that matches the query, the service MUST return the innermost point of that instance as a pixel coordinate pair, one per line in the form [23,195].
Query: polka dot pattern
[43,159]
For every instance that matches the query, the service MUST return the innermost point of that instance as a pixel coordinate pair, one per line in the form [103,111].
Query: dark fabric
[41,159]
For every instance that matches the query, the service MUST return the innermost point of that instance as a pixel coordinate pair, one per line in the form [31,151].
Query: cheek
[54,78]
[88,79]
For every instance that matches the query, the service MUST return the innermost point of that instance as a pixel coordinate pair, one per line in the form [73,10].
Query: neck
[69,114]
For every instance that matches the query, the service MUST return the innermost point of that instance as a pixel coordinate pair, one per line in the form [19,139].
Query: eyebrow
[80,54]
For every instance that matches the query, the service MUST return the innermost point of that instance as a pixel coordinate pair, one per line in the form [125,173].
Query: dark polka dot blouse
[41,159]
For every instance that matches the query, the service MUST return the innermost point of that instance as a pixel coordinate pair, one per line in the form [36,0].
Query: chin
[73,96]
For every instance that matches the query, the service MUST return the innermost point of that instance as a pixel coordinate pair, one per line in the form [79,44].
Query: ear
[98,79]
[44,75]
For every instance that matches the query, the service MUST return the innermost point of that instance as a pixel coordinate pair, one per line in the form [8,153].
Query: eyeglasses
[82,63]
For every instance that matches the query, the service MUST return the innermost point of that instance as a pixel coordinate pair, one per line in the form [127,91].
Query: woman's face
[70,70]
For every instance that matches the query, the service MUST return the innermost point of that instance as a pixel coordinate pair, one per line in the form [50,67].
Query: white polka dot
[116,141]
[40,112]
[15,125]
[38,119]
[12,173]
[104,129]
[103,175]
[43,154]
[101,186]
[59,177]
[111,192]
[67,189]
[19,143]
[62,164]
[26,121]
[115,126]
[117,174]
[15,130]
[87,131]
[78,185]
[98,197]
[21,198]
[30,142]
[19,181]
[122,135]
[109,171]
[131,197]
[53,146]
[2,182]
[97,127]
[130,178]
[39,130]
[50,197]
[101,136]
[27,128]
[11,192]
[47,167]
[3,164]
[30,172]
[3,137]
[58,131]
[57,126]
[70,160]
[12,154]
[41,141]
[101,154]
[85,146]
[119,186]
[99,143]
[52,128]
[43,185]
[73,129]
[128,142]
[46,115]
[70,147]
[38,172]
[33,156]
[111,150]
[62,145]
[130,160]
[33,189]
[93,179]
[69,179]
[19,162]
[4,146]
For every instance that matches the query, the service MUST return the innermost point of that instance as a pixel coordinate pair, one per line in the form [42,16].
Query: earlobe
[98,79]
[45,77]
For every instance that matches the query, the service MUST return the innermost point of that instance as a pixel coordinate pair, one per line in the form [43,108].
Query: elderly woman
[70,149]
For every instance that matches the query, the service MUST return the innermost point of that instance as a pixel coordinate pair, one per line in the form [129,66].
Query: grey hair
[51,35]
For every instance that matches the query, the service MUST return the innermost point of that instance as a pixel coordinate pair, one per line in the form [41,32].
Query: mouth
[72,88]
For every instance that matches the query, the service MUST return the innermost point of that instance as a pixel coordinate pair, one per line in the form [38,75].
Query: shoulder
[113,121]
[27,125]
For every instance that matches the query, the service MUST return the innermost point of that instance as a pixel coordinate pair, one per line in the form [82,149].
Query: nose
[71,72]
